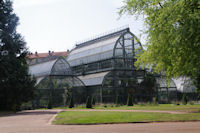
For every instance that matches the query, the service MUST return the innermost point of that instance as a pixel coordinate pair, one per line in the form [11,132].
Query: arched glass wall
[61,67]
[59,89]
[118,84]
[166,89]
[124,51]
[56,83]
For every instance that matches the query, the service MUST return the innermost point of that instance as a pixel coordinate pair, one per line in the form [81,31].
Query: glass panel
[93,52]
[61,67]
[106,64]
[42,69]
[119,63]
[118,52]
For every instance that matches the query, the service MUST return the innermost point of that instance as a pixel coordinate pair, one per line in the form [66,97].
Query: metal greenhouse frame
[106,66]
[102,68]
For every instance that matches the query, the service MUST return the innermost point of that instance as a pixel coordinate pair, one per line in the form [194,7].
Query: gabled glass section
[56,83]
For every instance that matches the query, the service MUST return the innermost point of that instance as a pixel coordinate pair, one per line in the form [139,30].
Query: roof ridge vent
[102,36]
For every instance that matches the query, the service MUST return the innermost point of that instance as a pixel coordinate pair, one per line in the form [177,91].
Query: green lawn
[100,117]
[166,107]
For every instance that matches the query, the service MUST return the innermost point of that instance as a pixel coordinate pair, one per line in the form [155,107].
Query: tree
[89,102]
[16,85]
[93,101]
[117,100]
[71,102]
[184,99]
[173,42]
[130,100]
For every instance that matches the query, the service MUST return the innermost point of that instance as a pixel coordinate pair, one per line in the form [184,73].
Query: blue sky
[57,25]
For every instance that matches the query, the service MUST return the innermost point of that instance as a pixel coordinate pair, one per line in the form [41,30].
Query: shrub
[184,99]
[117,100]
[154,102]
[130,100]
[89,102]
[93,101]
[49,105]
[27,106]
[71,102]
[191,103]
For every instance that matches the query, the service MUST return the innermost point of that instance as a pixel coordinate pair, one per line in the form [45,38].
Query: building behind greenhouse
[103,68]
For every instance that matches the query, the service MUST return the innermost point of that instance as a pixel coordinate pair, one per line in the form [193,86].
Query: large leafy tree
[173,42]
[16,86]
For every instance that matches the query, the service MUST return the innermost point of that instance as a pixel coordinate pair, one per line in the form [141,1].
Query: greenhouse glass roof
[42,69]
[56,67]
[94,50]
[93,79]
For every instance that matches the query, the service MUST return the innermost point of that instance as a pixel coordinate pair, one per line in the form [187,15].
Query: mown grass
[101,117]
[162,107]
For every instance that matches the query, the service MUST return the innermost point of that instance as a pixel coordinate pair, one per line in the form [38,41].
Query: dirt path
[37,121]
[155,111]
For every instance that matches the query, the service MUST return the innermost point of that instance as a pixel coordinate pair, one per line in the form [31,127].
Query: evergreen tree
[117,100]
[130,100]
[93,101]
[89,102]
[16,85]
[184,99]
[71,102]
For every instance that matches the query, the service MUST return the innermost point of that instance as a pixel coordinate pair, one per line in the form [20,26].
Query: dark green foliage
[93,101]
[130,100]
[184,99]
[173,44]
[196,82]
[16,85]
[89,102]
[49,106]
[117,100]
[148,84]
[71,102]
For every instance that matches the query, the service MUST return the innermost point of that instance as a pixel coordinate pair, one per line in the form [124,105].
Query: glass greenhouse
[102,68]
[54,79]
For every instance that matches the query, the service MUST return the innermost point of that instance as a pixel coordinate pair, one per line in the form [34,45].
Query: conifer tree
[71,102]
[89,102]
[16,85]
[130,100]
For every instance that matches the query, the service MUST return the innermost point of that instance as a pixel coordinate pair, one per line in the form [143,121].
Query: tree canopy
[173,42]
[16,85]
